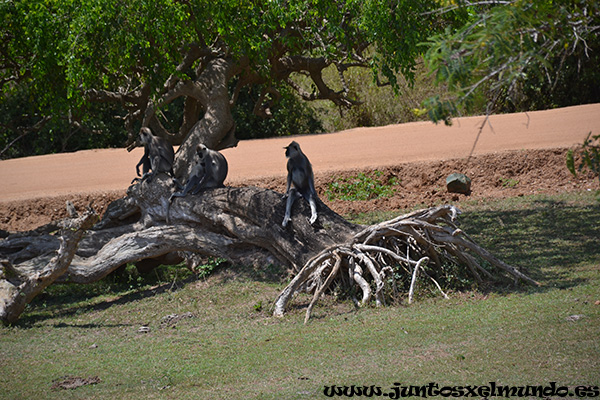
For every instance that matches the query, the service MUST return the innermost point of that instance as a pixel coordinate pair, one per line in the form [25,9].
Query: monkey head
[145,135]
[292,149]
[201,150]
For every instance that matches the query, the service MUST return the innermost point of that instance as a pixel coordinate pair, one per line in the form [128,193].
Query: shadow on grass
[65,300]
[69,302]
[268,273]
[545,239]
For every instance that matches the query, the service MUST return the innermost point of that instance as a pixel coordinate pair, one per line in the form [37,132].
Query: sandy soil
[516,154]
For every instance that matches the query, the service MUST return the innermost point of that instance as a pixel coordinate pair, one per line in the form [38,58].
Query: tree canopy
[92,72]
[174,65]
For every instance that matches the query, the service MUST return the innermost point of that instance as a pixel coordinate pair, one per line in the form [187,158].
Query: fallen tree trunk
[242,225]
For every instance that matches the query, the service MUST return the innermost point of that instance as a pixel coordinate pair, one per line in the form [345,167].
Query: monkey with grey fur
[209,171]
[300,182]
[158,156]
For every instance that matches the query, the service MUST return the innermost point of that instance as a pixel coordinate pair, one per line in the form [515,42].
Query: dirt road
[106,170]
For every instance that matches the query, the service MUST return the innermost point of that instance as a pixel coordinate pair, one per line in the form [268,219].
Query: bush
[362,187]
[291,116]
[379,105]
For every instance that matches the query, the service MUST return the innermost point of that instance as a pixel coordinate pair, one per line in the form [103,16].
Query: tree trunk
[242,225]
[216,128]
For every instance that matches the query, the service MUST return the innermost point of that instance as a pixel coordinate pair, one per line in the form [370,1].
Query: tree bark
[216,128]
[19,286]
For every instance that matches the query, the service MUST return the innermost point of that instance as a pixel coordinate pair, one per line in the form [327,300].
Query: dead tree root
[402,245]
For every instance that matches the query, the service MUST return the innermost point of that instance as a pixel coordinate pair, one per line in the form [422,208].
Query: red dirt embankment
[516,154]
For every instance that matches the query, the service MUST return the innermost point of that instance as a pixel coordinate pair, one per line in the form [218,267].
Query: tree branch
[462,4]
[17,289]
[35,128]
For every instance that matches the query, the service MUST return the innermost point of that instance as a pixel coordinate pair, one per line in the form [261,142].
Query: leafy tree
[179,66]
[291,116]
[26,129]
[517,55]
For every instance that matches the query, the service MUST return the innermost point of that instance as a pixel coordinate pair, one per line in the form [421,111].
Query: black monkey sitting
[209,171]
[158,156]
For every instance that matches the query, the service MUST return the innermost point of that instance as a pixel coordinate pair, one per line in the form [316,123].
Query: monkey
[209,171]
[158,156]
[300,182]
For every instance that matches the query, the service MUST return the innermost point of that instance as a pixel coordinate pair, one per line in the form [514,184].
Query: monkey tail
[178,184]
[168,210]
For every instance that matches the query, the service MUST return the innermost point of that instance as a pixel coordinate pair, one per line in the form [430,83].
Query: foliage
[397,28]
[512,52]
[24,132]
[36,114]
[590,156]
[508,182]
[379,105]
[576,82]
[365,186]
[62,55]
[203,271]
[291,116]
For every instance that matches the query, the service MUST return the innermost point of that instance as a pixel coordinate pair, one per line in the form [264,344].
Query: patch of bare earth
[73,382]
[494,176]
[23,215]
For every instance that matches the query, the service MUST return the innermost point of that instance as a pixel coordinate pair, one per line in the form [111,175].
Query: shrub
[364,186]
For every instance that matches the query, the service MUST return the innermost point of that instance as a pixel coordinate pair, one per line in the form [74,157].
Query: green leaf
[571,162]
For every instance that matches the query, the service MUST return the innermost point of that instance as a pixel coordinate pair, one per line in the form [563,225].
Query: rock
[575,317]
[172,319]
[458,183]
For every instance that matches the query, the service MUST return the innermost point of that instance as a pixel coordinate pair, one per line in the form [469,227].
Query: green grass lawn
[234,349]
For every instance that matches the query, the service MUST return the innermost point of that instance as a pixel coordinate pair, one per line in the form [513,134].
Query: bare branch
[18,289]
[453,7]
[430,233]
[411,291]
[35,128]
[193,54]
